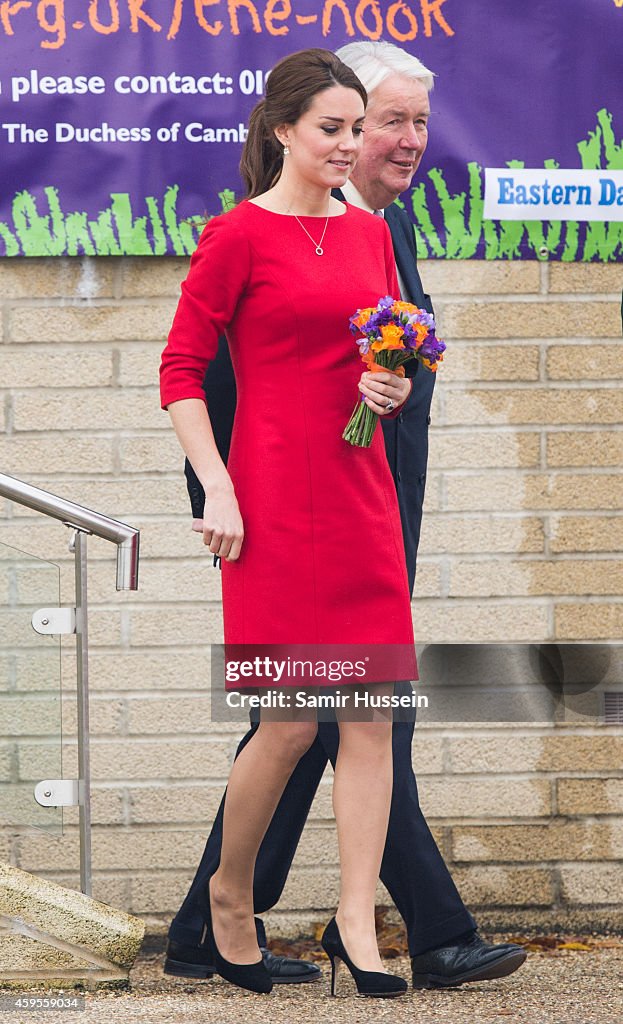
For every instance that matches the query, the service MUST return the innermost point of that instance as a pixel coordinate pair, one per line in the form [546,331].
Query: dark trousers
[412,870]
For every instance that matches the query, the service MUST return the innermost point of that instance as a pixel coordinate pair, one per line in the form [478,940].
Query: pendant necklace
[317,245]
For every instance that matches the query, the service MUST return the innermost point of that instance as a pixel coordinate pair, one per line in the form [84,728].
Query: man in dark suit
[443,942]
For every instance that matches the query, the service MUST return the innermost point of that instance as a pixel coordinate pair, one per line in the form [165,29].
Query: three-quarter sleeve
[218,275]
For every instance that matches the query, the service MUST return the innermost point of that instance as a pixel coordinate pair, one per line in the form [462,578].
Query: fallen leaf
[543,941]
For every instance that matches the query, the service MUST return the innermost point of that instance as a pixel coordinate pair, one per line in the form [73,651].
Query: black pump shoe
[369,983]
[253,977]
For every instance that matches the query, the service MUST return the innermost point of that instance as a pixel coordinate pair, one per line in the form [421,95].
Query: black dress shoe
[195,962]
[284,970]
[188,961]
[470,959]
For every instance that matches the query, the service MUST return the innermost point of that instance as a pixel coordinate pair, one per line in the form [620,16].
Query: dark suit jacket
[406,436]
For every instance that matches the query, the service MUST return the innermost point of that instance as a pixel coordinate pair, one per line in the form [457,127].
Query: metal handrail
[125,537]
[83,521]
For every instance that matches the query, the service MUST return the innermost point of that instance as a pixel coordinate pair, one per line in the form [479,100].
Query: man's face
[395,137]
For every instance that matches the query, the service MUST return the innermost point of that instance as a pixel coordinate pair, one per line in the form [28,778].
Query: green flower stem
[360,427]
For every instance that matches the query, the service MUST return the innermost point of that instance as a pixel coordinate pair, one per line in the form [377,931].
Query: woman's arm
[218,275]
[222,523]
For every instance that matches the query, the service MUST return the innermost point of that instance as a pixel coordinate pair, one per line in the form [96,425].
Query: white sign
[545,194]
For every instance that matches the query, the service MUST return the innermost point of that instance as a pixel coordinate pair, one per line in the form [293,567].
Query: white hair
[373,62]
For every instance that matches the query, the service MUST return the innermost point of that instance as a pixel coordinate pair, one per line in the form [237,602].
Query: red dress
[322,560]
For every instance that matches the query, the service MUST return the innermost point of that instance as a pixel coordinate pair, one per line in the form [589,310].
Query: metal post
[84,767]
[55,793]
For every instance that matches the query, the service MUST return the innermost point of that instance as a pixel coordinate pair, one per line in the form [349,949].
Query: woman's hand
[222,523]
[223,531]
[384,391]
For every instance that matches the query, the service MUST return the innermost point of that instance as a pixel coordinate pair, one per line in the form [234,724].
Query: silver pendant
[319,250]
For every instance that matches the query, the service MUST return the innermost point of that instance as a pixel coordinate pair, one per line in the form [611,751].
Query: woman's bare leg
[256,783]
[361,800]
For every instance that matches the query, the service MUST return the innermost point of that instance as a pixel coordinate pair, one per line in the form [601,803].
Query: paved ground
[555,986]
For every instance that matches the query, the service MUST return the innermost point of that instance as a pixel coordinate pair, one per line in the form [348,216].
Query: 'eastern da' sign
[553,194]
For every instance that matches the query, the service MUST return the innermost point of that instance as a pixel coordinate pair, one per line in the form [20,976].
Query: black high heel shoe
[369,983]
[253,977]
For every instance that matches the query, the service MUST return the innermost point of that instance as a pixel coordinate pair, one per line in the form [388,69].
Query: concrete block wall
[521,542]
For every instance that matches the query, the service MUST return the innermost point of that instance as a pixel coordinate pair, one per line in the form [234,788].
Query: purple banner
[122,121]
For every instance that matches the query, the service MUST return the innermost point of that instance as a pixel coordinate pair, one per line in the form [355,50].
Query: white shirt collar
[355,198]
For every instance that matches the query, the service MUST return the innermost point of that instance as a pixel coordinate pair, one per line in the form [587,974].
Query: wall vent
[613,707]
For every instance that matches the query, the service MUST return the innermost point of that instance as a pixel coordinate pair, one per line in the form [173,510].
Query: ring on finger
[390,405]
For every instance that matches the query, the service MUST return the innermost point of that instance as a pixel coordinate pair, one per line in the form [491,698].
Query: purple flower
[379,319]
[432,348]
[409,336]
[424,318]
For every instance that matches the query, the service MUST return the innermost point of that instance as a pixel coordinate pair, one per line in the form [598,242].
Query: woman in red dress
[307,526]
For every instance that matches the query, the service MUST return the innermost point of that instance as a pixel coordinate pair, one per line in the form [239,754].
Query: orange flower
[421,332]
[432,366]
[391,337]
[363,315]
[403,307]
[375,367]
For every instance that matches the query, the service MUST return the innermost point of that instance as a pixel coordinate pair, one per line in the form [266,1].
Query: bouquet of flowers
[393,332]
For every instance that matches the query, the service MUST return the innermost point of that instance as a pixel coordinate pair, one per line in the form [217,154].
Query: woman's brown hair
[290,89]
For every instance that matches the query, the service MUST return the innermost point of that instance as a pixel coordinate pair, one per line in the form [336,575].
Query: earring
[286,151]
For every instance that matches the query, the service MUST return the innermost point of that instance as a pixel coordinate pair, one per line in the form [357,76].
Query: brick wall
[521,543]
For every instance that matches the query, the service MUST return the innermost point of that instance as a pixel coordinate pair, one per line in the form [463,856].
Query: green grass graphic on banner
[39,228]
[465,230]
[114,232]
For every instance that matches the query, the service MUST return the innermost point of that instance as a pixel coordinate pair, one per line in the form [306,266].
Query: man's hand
[384,391]
[222,527]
